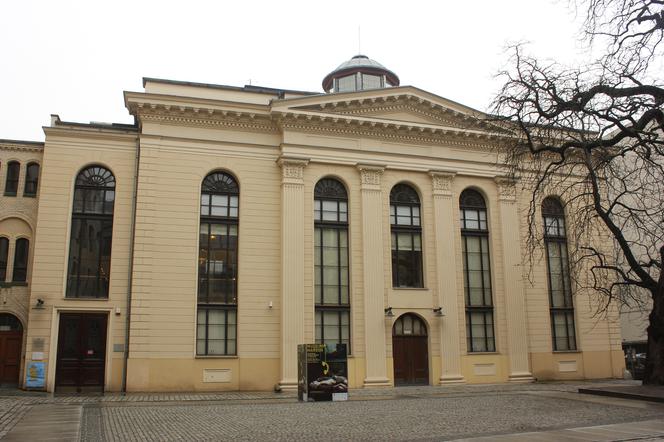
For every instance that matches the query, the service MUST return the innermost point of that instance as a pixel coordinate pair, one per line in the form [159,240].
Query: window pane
[405,241]
[330,238]
[330,256]
[370,81]
[346,84]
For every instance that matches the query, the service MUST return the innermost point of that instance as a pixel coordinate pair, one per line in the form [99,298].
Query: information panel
[35,375]
[322,372]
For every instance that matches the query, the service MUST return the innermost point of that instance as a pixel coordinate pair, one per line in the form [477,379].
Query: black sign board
[322,372]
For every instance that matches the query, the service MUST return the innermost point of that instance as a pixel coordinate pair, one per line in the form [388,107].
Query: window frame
[473,201]
[412,229]
[552,209]
[29,181]
[329,189]
[12,167]
[21,266]
[222,184]
[4,261]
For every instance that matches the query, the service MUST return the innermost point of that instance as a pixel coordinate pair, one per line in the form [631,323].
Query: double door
[411,364]
[81,359]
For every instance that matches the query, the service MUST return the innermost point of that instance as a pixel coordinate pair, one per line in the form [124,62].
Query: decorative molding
[292,170]
[442,182]
[22,147]
[242,122]
[370,176]
[506,188]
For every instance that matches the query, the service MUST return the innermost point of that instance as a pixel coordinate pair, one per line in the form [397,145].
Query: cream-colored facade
[278,145]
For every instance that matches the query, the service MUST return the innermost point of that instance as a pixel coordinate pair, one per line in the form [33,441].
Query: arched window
[31,179]
[560,288]
[89,270]
[20,271]
[332,298]
[406,230]
[217,266]
[13,171]
[476,272]
[409,325]
[10,323]
[4,252]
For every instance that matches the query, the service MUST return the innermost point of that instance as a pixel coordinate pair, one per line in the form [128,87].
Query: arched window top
[554,218]
[409,325]
[330,188]
[95,176]
[551,207]
[471,199]
[220,183]
[10,323]
[404,194]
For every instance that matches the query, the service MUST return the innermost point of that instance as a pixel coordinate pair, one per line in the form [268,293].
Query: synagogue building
[196,248]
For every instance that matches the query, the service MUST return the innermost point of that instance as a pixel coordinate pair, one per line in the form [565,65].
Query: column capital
[370,176]
[506,188]
[292,170]
[441,182]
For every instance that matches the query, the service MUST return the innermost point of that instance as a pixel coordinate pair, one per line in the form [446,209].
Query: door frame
[427,326]
[55,333]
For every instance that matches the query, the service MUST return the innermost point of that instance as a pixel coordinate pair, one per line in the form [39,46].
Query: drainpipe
[131,266]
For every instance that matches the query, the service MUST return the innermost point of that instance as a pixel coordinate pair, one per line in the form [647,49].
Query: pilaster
[374,274]
[446,272]
[292,267]
[515,305]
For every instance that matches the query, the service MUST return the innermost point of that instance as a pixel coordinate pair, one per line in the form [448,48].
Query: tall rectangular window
[216,333]
[406,229]
[4,253]
[31,180]
[331,278]
[480,335]
[563,332]
[13,172]
[20,271]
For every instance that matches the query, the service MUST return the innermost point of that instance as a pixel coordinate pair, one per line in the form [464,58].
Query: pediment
[401,105]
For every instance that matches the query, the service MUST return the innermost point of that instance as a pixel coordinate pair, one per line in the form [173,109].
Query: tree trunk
[654,374]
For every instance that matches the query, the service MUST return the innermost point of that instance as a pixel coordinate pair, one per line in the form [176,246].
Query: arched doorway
[11,338]
[410,351]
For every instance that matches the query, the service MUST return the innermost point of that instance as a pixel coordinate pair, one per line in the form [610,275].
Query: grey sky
[75,58]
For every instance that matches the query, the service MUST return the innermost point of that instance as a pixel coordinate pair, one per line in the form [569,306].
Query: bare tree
[594,135]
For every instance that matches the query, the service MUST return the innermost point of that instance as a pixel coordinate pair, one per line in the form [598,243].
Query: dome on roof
[359,73]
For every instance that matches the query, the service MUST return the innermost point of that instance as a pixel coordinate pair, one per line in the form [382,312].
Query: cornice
[22,147]
[202,113]
[90,133]
[388,130]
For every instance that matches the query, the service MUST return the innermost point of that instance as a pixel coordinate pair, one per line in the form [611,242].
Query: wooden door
[410,351]
[81,359]
[10,356]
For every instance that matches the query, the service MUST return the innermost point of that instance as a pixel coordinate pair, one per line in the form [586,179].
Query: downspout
[131,267]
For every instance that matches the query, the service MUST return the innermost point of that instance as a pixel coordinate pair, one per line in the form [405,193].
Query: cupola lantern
[357,74]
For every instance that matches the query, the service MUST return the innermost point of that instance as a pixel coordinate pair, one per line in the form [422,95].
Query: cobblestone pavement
[409,418]
[388,414]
